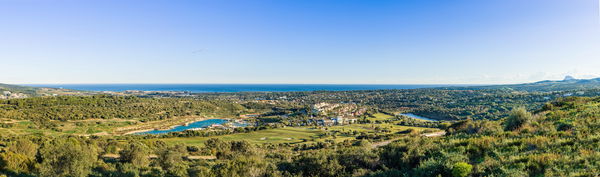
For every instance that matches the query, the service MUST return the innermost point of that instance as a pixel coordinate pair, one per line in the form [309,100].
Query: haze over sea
[200,88]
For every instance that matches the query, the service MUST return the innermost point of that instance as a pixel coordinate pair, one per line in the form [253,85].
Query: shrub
[66,157]
[563,125]
[517,119]
[15,162]
[461,169]
[136,154]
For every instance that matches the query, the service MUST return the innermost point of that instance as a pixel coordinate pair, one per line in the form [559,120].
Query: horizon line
[234,84]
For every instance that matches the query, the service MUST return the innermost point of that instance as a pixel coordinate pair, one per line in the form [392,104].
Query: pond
[418,117]
[193,125]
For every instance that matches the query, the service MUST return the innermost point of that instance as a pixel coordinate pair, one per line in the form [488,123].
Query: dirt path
[435,134]
[383,143]
[153,156]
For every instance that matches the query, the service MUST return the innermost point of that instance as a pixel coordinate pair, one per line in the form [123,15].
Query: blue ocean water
[199,88]
[199,124]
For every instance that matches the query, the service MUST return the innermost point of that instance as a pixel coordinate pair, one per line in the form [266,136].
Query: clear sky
[298,41]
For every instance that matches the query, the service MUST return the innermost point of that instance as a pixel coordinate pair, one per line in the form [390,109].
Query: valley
[335,133]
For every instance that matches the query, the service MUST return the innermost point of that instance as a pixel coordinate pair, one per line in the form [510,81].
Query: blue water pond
[418,117]
[199,124]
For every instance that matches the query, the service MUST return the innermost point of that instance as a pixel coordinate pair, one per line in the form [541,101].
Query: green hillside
[562,139]
[545,86]
[16,91]
[85,136]
[19,89]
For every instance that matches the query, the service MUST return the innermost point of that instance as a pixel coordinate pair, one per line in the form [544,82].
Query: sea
[208,88]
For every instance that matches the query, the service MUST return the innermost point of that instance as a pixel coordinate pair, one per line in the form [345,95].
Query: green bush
[461,169]
[517,119]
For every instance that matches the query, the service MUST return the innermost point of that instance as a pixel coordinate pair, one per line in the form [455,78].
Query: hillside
[568,83]
[65,108]
[562,139]
[8,91]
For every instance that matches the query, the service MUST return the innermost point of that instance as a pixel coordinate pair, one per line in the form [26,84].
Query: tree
[243,147]
[246,167]
[217,146]
[357,158]
[320,163]
[200,171]
[136,154]
[387,173]
[24,146]
[19,156]
[66,157]
[15,162]
[171,160]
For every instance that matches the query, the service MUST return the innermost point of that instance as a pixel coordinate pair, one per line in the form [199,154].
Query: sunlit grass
[280,135]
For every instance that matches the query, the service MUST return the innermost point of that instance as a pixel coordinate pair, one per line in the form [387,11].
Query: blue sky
[298,41]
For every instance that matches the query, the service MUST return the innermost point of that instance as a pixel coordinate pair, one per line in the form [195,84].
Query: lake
[198,124]
[418,117]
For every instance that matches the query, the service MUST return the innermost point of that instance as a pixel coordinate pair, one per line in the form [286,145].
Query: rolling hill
[569,83]
[17,91]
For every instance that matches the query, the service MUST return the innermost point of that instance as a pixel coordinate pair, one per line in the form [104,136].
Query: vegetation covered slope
[547,86]
[442,104]
[106,107]
[561,139]
[18,89]
[24,91]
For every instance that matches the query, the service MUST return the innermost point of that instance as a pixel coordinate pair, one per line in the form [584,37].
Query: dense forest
[559,139]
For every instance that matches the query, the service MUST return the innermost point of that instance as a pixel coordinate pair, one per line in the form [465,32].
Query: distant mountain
[569,83]
[16,91]
[569,78]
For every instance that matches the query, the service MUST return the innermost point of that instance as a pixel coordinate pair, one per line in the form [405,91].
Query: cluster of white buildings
[324,107]
[10,95]
[335,121]
[336,114]
[346,110]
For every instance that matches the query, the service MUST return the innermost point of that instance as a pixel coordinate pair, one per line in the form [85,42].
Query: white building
[341,120]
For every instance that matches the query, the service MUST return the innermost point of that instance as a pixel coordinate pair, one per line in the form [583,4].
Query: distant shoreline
[215,88]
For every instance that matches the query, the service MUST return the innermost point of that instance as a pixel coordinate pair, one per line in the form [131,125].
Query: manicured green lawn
[381,116]
[292,134]
[280,135]
[373,127]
